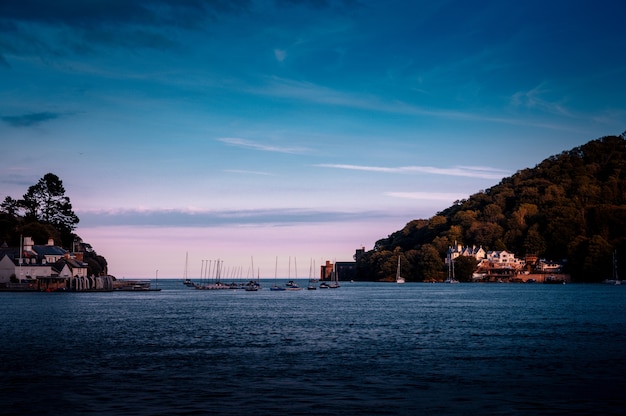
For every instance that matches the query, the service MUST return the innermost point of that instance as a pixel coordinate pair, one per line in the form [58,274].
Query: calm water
[366,348]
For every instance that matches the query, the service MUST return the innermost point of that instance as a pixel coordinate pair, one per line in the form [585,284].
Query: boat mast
[398,271]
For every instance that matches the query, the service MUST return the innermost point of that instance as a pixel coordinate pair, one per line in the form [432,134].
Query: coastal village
[503,267]
[49,267]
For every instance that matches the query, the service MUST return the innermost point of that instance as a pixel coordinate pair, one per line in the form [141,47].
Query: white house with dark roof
[43,262]
[458,250]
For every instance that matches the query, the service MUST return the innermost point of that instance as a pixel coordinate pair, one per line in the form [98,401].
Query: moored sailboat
[187,282]
[399,279]
[311,285]
[291,284]
[451,278]
[334,277]
[275,286]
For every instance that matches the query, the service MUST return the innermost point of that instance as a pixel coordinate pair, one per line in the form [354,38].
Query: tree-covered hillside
[571,207]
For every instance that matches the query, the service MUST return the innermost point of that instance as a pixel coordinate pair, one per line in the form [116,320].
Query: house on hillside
[499,265]
[545,266]
[458,250]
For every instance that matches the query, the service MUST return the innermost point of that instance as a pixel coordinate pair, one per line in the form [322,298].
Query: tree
[464,267]
[46,202]
[10,206]
[430,264]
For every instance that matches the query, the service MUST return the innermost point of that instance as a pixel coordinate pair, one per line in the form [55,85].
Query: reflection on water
[367,348]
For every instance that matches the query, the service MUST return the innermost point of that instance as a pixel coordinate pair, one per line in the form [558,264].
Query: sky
[250,131]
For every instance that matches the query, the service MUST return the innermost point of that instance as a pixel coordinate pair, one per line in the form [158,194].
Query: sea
[364,348]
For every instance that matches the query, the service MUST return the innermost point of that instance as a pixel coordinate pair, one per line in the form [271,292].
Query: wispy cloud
[199,218]
[535,99]
[427,196]
[30,119]
[464,171]
[248,144]
[280,54]
[312,93]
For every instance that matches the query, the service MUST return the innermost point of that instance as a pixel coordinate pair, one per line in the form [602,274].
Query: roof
[49,250]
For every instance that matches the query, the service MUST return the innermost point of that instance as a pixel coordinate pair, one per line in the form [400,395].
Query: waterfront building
[46,267]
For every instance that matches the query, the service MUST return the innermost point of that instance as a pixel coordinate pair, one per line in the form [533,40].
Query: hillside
[570,207]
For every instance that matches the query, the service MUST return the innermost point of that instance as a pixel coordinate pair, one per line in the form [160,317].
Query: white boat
[334,277]
[291,284]
[399,279]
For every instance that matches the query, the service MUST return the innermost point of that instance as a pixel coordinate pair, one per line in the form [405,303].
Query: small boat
[291,284]
[253,286]
[187,282]
[324,285]
[399,279]
[311,285]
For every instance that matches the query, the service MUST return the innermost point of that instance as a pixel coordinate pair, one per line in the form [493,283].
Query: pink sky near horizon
[138,252]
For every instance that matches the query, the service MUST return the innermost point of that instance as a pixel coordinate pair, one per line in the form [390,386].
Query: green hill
[571,207]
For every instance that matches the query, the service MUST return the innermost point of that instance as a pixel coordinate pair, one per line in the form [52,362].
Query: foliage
[46,202]
[45,212]
[464,267]
[571,206]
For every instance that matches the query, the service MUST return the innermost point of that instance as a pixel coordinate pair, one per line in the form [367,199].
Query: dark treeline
[570,207]
[45,212]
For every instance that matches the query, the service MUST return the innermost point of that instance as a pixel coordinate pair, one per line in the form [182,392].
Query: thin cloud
[30,119]
[463,171]
[280,54]
[248,144]
[313,93]
[199,218]
[534,99]
[427,196]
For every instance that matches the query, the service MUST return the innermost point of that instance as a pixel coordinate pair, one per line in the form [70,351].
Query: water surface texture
[366,348]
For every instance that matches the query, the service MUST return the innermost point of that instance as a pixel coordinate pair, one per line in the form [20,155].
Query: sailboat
[615,281]
[334,277]
[399,279]
[187,281]
[275,286]
[311,280]
[253,286]
[450,278]
[291,284]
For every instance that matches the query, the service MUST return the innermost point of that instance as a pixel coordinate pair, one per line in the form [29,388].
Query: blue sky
[303,129]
